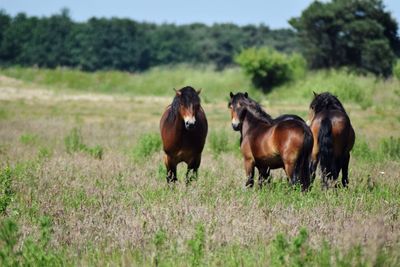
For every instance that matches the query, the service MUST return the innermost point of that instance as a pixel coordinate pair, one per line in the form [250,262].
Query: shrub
[146,146]
[268,68]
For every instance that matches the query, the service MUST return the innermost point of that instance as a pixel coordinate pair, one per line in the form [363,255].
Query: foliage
[6,192]
[348,87]
[295,253]
[128,45]
[32,253]
[146,145]
[396,69]
[218,142]
[28,139]
[74,143]
[359,34]
[197,244]
[267,67]
[390,147]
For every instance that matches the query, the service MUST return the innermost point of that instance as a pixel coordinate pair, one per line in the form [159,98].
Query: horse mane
[187,95]
[326,101]
[257,111]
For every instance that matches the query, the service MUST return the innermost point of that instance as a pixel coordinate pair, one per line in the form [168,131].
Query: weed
[390,148]
[197,244]
[218,142]
[159,239]
[28,139]
[74,143]
[32,253]
[96,151]
[6,192]
[146,145]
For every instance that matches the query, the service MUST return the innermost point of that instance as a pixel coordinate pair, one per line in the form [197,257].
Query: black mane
[187,96]
[253,107]
[326,101]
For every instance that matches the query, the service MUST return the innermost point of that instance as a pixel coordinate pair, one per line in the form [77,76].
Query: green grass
[158,81]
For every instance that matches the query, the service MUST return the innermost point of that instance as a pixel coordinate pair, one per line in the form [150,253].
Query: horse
[266,143]
[183,128]
[334,137]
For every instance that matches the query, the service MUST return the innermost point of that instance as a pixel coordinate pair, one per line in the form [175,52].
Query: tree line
[128,45]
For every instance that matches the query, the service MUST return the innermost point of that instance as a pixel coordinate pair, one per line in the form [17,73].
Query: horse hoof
[249,184]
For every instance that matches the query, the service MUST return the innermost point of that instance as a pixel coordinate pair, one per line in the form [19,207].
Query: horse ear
[231,94]
[246,95]
[198,91]
[178,93]
[315,94]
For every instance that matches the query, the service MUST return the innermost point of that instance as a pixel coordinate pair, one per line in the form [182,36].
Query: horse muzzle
[190,123]
[235,124]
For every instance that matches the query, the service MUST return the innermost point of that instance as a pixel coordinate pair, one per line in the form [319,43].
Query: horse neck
[250,122]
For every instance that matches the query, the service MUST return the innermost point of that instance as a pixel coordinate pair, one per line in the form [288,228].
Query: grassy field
[82,180]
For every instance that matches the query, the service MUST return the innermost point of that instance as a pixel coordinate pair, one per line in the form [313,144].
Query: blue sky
[273,13]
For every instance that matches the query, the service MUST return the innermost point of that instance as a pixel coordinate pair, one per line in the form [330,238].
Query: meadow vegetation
[82,180]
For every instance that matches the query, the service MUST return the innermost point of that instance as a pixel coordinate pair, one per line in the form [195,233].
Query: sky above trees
[274,14]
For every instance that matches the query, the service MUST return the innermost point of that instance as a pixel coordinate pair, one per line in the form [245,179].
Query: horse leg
[345,170]
[171,169]
[313,170]
[289,169]
[263,177]
[249,167]
[194,167]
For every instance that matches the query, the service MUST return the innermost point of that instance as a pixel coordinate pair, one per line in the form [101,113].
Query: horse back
[279,142]
[343,135]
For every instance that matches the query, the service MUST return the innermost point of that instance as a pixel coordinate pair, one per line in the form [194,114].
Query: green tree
[352,33]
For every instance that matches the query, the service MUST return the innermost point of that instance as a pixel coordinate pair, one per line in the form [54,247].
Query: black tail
[302,167]
[325,154]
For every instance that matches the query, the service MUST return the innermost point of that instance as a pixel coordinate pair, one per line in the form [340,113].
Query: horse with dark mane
[183,129]
[333,137]
[267,143]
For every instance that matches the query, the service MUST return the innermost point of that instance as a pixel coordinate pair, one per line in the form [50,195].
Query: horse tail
[325,143]
[302,167]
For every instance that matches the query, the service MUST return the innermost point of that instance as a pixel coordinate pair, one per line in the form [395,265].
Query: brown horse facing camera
[266,143]
[183,129]
[333,137]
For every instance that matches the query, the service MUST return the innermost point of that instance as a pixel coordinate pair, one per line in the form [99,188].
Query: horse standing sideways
[333,137]
[266,143]
[183,129]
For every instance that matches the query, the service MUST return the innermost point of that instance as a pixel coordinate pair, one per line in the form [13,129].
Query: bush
[268,68]
[146,146]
